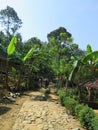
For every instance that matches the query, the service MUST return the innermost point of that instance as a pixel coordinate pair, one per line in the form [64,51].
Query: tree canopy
[10,20]
[59,57]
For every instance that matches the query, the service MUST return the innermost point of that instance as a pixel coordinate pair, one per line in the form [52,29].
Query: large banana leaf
[92,56]
[75,69]
[11,46]
[30,52]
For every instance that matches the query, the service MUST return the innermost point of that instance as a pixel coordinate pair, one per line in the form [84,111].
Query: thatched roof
[92,84]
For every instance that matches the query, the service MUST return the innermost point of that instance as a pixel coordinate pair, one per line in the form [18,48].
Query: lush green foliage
[88,49]
[85,114]
[94,124]
[28,55]
[59,59]
[78,108]
[11,46]
[62,96]
[70,104]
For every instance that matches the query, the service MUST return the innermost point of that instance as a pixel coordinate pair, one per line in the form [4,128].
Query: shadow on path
[4,109]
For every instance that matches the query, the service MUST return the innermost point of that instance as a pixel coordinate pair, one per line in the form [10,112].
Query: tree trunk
[79,92]
[90,94]
[6,76]
[18,82]
[60,82]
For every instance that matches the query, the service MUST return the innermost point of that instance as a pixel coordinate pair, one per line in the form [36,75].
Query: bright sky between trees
[40,17]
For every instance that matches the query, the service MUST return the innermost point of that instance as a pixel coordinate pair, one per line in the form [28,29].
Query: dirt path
[8,112]
[27,114]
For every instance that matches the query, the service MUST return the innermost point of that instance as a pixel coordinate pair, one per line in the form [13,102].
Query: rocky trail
[30,114]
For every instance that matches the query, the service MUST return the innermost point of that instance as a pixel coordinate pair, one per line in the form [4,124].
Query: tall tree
[2,38]
[10,20]
[63,51]
[56,33]
[34,41]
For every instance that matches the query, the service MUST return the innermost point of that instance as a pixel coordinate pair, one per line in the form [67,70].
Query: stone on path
[44,115]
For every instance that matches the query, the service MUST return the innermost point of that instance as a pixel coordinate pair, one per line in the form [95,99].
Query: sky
[40,17]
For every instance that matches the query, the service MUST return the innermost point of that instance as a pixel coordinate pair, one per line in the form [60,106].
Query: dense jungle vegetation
[73,71]
[59,59]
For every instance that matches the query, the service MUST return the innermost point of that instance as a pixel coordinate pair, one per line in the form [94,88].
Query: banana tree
[88,62]
[28,65]
[11,55]
[10,51]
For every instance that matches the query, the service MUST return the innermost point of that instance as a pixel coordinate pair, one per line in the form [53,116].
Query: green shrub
[78,108]
[94,123]
[61,93]
[85,116]
[70,104]
[69,92]
[65,98]
[72,92]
